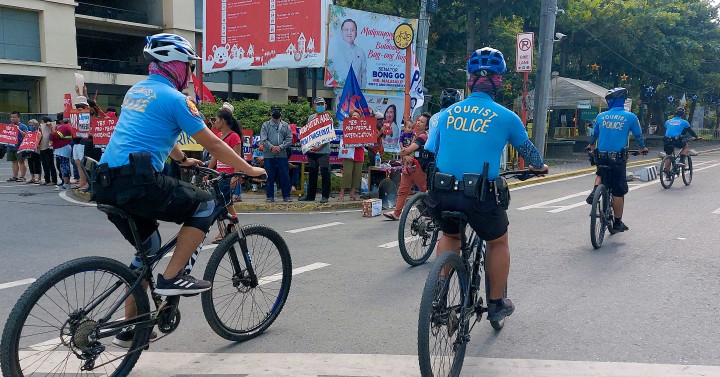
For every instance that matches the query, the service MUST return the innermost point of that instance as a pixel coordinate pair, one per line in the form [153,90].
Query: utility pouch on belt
[142,169]
[471,184]
[502,193]
[443,182]
[102,175]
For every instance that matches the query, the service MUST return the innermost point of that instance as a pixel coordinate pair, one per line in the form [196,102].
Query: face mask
[320,108]
[276,114]
[32,128]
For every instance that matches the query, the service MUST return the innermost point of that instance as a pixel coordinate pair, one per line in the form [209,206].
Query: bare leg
[83,181]
[618,204]
[22,167]
[15,168]
[498,265]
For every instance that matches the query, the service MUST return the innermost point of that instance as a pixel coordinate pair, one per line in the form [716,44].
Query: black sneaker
[590,197]
[323,200]
[183,284]
[287,200]
[619,226]
[498,311]
[124,338]
[306,199]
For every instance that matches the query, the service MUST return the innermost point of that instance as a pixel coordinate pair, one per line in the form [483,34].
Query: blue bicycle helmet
[486,58]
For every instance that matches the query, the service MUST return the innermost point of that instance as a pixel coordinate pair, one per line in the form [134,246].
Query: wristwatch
[184,158]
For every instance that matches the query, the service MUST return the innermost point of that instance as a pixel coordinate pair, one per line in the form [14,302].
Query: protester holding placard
[30,149]
[61,139]
[318,160]
[352,167]
[17,159]
[276,136]
[46,152]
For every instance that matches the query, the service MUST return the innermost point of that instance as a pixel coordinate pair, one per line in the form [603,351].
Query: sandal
[341,198]
[13,179]
[20,179]
[391,216]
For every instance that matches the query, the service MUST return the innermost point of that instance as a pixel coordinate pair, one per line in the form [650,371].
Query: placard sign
[80,122]
[524,60]
[316,132]
[359,132]
[247,150]
[102,130]
[30,142]
[8,134]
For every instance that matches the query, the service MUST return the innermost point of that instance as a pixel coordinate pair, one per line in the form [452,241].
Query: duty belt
[612,155]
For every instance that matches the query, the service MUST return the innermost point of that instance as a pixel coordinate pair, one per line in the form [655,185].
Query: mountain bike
[65,322]
[670,168]
[453,301]
[417,231]
[601,213]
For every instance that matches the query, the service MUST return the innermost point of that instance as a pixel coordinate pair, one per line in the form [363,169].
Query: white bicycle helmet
[167,47]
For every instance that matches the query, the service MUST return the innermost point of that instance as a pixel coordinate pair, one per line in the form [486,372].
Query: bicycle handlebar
[201,170]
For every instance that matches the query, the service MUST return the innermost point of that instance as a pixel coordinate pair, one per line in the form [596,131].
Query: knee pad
[202,219]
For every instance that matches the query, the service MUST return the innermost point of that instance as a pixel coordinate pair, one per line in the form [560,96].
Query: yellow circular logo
[403,36]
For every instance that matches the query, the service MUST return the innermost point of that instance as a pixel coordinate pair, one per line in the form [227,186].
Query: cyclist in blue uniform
[675,130]
[469,134]
[154,112]
[611,130]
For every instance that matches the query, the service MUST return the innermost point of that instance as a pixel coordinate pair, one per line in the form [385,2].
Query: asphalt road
[644,304]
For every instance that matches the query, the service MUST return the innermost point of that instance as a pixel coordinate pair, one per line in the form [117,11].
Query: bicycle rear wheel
[687,171]
[417,232]
[667,175]
[46,331]
[234,308]
[598,225]
[441,331]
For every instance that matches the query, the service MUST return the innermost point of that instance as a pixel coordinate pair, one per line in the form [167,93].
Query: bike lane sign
[525,44]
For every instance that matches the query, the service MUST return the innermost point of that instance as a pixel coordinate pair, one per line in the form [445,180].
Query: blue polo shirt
[472,132]
[613,127]
[153,115]
[675,126]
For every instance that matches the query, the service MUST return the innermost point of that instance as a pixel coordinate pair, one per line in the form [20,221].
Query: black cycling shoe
[590,197]
[124,338]
[498,311]
[619,226]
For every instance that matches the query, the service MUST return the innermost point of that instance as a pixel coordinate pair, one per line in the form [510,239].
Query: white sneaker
[60,187]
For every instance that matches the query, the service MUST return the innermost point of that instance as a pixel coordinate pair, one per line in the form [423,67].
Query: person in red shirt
[228,130]
[413,173]
[61,139]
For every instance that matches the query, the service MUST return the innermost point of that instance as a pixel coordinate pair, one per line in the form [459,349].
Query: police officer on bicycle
[154,112]
[611,131]
[468,136]
[675,130]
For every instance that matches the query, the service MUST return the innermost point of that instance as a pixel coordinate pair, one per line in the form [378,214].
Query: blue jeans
[277,169]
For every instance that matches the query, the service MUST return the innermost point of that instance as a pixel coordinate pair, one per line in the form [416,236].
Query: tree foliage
[252,113]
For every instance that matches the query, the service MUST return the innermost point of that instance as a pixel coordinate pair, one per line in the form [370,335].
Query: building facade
[44,42]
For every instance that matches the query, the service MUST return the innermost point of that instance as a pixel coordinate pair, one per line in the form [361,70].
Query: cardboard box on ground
[371,207]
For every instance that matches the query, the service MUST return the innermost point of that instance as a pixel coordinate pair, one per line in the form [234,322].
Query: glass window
[19,35]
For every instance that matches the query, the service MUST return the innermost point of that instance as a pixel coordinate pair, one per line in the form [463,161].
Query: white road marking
[682,238]
[269,279]
[314,227]
[717,211]
[63,194]
[543,204]
[565,208]
[16,283]
[298,213]
[163,364]
[393,244]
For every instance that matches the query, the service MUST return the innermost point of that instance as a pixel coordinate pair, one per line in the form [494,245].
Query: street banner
[247,137]
[8,134]
[263,34]
[67,105]
[80,122]
[30,142]
[316,132]
[102,130]
[392,106]
[188,144]
[352,98]
[359,132]
[364,40]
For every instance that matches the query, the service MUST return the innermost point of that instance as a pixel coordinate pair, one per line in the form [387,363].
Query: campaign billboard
[365,41]
[263,34]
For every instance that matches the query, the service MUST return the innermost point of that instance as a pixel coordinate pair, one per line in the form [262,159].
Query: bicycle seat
[454,215]
[111,210]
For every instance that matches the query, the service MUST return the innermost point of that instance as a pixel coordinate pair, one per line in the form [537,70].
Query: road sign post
[523,63]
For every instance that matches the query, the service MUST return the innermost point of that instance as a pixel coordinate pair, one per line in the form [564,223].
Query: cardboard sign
[8,134]
[247,136]
[102,130]
[298,156]
[80,122]
[317,132]
[30,142]
[359,132]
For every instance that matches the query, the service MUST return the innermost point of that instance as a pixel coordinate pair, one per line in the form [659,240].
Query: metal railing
[112,66]
[111,13]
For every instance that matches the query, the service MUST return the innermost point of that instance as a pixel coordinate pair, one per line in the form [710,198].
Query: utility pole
[548,8]
[422,37]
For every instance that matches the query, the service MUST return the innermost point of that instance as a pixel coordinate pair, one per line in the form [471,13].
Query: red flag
[206,95]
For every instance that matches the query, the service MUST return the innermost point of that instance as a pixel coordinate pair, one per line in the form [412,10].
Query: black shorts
[670,143]
[616,177]
[166,199]
[487,219]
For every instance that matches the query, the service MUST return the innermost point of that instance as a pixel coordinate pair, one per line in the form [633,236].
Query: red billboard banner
[359,132]
[8,134]
[102,130]
[30,142]
[263,34]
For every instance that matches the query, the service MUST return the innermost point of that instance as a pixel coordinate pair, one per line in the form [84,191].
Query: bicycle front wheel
[417,232]
[236,308]
[687,171]
[598,223]
[441,326]
[667,174]
[57,321]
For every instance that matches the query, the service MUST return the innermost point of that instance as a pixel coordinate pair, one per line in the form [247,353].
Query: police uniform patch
[191,106]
